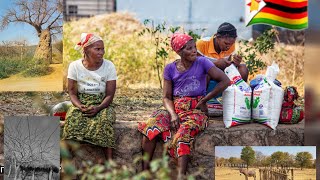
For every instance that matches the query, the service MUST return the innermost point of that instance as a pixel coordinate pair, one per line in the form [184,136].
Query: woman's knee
[147,142]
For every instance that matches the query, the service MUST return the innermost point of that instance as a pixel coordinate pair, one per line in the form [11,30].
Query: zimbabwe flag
[291,14]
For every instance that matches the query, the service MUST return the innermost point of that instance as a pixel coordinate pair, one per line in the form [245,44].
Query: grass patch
[12,66]
[37,70]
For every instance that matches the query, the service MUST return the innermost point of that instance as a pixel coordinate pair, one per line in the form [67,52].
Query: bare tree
[46,18]
[29,146]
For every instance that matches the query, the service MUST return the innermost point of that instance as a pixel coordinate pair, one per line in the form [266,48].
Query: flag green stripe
[277,23]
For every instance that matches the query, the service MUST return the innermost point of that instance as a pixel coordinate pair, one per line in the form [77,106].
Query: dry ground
[225,173]
[51,82]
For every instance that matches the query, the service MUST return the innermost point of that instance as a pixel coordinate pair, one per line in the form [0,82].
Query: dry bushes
[132,55]
[290,59]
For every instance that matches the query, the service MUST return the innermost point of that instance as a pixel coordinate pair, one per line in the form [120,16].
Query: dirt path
[51,82]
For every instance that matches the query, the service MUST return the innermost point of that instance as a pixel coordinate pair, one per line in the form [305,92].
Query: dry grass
[132,55]
[225,173]
[291,63]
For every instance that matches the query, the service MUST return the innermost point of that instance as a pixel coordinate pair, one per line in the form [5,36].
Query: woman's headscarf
[86,40]
[178,40]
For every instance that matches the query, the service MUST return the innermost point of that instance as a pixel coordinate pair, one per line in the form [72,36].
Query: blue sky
[17,31]
[235,151]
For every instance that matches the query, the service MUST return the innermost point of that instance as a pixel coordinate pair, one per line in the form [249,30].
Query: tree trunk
[33,174]
[15,169]
[43,53]
[9,171]
[50,174]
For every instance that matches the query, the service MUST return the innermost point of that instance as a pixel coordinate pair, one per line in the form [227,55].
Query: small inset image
[265,162]
[31,45]
[31,147]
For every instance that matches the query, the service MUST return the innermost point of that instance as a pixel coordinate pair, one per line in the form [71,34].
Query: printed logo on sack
[236,79]
[260,85]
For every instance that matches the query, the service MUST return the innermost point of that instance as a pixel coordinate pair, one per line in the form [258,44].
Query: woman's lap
[97,130]
[192,122]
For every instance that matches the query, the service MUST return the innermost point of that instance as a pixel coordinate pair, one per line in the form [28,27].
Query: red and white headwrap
[86,40]
[178,40]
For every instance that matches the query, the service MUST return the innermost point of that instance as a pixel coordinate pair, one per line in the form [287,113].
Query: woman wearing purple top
[184,112]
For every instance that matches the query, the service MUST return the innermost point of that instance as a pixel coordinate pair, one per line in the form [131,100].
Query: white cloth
[86,40]
[92,82]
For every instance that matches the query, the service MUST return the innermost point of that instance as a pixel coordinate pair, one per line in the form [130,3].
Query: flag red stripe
[288,3]
[284,14]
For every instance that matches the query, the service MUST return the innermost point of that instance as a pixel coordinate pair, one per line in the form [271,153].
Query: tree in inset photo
[31,148]
[31,30]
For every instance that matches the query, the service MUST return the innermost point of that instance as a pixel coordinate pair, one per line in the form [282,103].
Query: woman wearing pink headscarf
[184,99]
[91,87]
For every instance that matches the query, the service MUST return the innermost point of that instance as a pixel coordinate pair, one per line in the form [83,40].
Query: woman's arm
[73,93]
[168,103]
[110,91]
[217,75]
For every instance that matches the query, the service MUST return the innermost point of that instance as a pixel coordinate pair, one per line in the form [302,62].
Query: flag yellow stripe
[281,19]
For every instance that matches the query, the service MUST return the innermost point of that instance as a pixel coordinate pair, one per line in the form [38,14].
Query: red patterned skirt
[192,121]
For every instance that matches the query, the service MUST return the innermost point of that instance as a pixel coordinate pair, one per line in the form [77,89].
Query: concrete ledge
[128,142]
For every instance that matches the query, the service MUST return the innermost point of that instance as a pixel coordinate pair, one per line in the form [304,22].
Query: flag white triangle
[250,15]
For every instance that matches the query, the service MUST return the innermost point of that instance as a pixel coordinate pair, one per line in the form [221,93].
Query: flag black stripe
[285,8]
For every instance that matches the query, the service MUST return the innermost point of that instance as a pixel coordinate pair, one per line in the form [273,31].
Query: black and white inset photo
[31,147]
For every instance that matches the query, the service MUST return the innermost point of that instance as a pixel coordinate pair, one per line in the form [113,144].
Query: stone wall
[128,141]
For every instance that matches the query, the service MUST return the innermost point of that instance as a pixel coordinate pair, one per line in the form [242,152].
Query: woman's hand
[175,122]
[236,59]
[202,106]
[91,111]
[83,108]
[223,63]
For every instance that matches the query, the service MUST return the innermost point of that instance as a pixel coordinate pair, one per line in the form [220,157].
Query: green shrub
[37,68]
[159,168]
[12,66]
[252,52]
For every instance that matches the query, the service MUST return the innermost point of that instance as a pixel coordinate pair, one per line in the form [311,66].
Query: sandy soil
[51,82]
[222,173]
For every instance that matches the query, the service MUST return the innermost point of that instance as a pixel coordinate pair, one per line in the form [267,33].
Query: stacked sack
[263,103]
[267,99]
[236,99]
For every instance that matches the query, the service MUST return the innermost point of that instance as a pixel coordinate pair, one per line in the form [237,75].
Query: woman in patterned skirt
[184,99]
[91,86]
